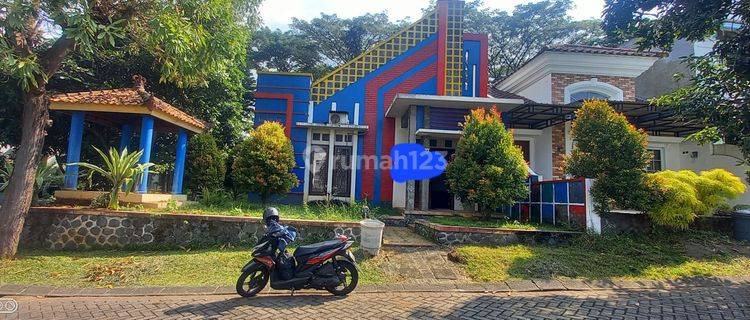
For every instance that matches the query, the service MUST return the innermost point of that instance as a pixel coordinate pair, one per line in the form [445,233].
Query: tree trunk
[19,193]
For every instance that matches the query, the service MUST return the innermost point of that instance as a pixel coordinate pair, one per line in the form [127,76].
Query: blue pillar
[147,137]
[179,162]
[126,134]
[74,149]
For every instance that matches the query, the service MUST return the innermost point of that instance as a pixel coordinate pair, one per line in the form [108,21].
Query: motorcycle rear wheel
[349,275]
[252,281]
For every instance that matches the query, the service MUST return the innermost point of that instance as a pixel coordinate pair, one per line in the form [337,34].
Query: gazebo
[128,109]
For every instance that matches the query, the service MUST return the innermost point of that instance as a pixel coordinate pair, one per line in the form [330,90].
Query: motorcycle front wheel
[252,281]
[348,276]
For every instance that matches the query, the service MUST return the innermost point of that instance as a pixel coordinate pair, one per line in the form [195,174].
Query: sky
[279,13]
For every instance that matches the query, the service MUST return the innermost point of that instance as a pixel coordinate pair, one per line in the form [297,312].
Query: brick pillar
[558,151]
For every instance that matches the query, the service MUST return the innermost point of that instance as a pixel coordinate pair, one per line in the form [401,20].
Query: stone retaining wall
[635,222]
[453,235]
[69,229]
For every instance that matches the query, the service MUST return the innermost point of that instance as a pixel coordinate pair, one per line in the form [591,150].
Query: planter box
[454,235]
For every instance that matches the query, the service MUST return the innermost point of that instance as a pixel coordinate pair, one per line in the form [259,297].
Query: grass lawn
[492,223]
[653,256]
[139,268]
[327,212]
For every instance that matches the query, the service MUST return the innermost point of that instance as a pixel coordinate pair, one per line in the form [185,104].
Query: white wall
[540,91]
[706,161]
[399,189]
[541,149]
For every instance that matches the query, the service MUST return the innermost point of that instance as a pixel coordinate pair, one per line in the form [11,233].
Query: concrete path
[404,237]
[718,302]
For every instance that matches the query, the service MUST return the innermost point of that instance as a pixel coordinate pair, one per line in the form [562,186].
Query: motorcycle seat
[316,247]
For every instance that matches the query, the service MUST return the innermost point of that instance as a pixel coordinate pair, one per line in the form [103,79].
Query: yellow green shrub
[686,195]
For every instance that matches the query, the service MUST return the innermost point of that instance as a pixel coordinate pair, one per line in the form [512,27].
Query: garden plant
[121,169]
[612,151]
[487,169]
[263,163]
[206,164]
[685,195]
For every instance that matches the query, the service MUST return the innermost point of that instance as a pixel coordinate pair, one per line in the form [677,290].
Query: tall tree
[318,45]
[191,40]
[719,93]
[286,51]
[340,40]
[517,36]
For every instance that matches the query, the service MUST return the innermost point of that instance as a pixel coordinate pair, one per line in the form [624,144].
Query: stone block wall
[453,235]
[72,229]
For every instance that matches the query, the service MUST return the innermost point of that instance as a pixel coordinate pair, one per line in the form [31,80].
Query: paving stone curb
[533,285]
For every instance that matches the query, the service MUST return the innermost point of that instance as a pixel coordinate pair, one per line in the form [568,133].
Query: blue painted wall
[473,49]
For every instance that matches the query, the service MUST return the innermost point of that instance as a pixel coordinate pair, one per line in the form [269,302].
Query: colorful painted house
[418,85]
[430,72]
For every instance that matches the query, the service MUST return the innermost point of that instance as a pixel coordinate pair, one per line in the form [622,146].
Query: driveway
[719,302]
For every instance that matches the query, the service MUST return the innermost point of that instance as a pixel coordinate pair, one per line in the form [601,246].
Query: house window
[319,170]
[324,154]
[587,95]
[592,89]
[657,162]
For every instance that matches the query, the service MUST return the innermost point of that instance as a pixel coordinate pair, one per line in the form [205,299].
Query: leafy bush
[687,195]
[263,163]
[206,164]
[611,150]
[487,169]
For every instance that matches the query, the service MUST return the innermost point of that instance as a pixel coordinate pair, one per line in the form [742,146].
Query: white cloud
[279,13]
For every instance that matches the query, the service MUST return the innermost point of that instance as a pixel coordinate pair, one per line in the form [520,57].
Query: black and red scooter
[327,265]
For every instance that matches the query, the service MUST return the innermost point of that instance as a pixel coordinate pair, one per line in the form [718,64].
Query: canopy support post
[179,163]
[74,149]
[147,137]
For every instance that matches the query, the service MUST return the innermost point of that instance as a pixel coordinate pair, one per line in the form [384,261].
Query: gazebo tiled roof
[126,100]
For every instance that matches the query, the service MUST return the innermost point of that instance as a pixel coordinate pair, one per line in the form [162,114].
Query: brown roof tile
[603,50]
[127,97]
[501,94]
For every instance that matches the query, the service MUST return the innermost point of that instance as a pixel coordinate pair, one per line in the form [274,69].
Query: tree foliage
[686,195]
[316,46]
[717,98]
[340,40]
[206,164]
[487,168]
[718,95]
[263,163]
[190,41]
[612,151]
[517,36]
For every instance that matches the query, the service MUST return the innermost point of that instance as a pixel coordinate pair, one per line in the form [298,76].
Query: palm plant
[121,169]
[47,174]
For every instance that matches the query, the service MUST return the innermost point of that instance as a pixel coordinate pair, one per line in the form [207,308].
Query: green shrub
[687,195]
[487,169]
[216,198]
[611,150]
[263,163]
[206,164]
